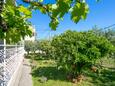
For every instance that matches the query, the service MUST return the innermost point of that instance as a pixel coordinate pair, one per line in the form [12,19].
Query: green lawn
[47,68]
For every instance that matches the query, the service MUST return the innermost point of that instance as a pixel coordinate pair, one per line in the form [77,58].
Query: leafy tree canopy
[80,49]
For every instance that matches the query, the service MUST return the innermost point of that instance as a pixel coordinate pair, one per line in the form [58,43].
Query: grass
[47,68]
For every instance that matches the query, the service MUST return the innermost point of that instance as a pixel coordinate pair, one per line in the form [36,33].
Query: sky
[101,14]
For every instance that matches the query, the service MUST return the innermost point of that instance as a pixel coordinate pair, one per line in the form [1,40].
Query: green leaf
[42,10]
[80,11]
[24,10]
[62,19]
[54,6]
[53,24]
[40,0]
[16,22]
[75,19]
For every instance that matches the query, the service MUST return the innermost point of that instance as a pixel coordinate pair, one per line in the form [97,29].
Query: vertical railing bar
[4,67]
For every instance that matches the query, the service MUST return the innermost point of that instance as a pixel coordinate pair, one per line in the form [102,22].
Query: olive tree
[31,46]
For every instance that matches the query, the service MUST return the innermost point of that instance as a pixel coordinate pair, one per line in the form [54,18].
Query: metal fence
[10,57]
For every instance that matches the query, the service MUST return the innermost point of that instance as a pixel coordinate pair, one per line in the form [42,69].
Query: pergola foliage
[14,19]
[78,9]
[14,25]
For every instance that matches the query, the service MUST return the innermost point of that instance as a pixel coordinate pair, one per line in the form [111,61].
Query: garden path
[26,78]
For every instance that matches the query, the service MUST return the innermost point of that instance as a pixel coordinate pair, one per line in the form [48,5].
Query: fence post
[4,66]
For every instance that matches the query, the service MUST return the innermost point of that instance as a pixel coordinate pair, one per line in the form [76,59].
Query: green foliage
[15,21]
[78,9]
[26,12]
[108,33]
[46,48]
[30,46]
[14,18]
[10,2]
[76,51]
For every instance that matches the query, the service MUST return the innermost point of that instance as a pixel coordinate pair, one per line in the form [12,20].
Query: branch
[39,5]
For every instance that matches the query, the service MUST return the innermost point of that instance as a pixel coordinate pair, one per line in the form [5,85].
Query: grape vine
[3,24]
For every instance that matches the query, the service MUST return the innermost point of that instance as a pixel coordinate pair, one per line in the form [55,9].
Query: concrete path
[26,78]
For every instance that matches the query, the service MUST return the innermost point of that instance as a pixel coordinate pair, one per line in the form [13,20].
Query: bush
[77,51]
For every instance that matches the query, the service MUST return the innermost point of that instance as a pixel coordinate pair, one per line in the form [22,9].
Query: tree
[78,51]
[30,46]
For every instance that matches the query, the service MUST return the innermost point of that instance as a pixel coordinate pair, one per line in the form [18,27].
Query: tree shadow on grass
[106,77]
[52,73]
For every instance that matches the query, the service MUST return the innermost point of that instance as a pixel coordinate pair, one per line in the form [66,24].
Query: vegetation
[79,51]
[13,16]
[78,9]
[46,48]
[30,46]
[79,56]
[109,33]
[41,49]
[47,74]
[72,55]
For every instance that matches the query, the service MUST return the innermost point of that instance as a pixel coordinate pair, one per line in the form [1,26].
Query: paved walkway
[26,78]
